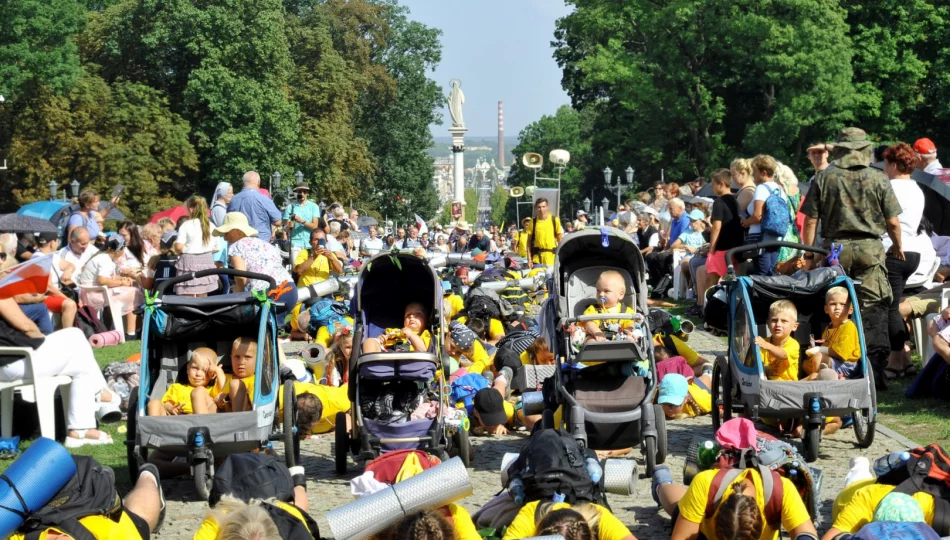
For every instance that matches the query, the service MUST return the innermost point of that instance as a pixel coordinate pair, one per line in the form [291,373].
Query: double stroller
[389,389]
[173,327]
[605,405]
[740,386]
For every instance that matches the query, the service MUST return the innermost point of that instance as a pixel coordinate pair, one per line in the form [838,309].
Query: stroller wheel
[463,446]
[342,438]
[204,476]
[661,441]
[864,425]
[289,428]
[649,455]
[135,455]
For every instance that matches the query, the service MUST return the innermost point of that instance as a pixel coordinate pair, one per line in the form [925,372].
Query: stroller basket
[400,436]
[786,399]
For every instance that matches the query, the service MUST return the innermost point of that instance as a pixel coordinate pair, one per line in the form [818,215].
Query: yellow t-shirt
[524,525]
[457,304]
[618,309]
[318,271]
[425,335]
[522,243]
[248,384]
[545,232]
[701,397]
[480,359]
[859,511]
[180,394]
[463,524]
[335,400]
[790,373]
[324,337]
[693,504]
[209,527]
[496,329]
[843,341]
[100,526]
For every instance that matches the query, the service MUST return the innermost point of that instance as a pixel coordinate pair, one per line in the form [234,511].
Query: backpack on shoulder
[927,470]
[776,217]
[553,463]
[90,492]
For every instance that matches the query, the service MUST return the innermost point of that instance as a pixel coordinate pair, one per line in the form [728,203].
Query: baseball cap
[46,237]
[925,147]
[697,215]
[490,406]
[673,389]
[581,213]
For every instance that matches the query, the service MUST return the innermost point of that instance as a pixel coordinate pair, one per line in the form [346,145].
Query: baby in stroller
[610,291]
[206,381]
[414,336]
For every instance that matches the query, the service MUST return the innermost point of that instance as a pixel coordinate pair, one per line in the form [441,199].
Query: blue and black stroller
[386,388]
[740,386]
[173,327]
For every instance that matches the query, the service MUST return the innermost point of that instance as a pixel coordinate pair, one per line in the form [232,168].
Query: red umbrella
[172,214]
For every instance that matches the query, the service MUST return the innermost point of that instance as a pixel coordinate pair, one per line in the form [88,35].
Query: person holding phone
[315,264]
[302,216]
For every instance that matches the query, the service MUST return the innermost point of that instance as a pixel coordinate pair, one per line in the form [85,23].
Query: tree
[499,205]
[101,135]
[569,130]
[37,48]
[397,124]
[687,84]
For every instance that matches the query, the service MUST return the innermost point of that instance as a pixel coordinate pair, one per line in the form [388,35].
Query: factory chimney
[501,136]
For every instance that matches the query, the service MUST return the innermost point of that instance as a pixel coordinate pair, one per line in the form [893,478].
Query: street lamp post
[608,174]
[52,189]
[274,182]
[74,186]
[586,205]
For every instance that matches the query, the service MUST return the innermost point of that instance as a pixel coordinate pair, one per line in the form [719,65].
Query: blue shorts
[850,370]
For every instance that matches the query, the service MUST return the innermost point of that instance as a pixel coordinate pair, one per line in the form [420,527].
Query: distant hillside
[475,147]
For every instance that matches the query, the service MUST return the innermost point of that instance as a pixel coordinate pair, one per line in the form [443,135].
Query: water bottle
[593,469]
[517,490]
[122,388]
[199,439]
[708,454]
[886,464]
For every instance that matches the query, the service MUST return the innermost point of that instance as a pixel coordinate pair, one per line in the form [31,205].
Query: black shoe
[153,470]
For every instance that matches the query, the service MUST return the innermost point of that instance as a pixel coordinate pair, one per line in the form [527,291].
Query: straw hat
[234,220]
[462,225]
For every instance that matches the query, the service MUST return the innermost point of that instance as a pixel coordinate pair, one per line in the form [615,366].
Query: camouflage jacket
[851,199]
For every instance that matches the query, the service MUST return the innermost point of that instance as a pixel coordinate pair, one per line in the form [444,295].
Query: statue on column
[456,100]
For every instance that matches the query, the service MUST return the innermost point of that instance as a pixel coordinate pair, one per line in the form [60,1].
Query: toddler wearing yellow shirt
[780,352]
[206,380]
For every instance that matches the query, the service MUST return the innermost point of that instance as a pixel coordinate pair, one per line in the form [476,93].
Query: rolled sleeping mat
[370,515]
[38,475]
[105,339]
[313,354]
[532,403]
[506,461]
[528,284]
[620,476]
[323,288]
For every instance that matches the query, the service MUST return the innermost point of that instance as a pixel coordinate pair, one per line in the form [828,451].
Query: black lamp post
[74,185]
[52,189]
[587,205]
[274,182]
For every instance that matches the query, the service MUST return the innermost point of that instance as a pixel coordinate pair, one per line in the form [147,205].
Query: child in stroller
[414,336]
[206,381]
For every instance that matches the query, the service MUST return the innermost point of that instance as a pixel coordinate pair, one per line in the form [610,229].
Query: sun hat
[116,241]
[490,406]
[737,434]
[234,220]
[925,147]
[853,138]
[899,507]
[697,215]
[673,389]
[302,186]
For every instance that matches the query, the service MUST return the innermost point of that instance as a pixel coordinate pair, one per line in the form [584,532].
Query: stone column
[458,165]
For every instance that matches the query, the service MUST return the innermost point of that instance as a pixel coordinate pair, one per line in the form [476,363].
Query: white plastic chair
[40,389]
[117,320]
[924,344]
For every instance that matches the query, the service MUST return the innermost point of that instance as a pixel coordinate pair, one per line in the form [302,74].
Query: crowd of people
[870,218]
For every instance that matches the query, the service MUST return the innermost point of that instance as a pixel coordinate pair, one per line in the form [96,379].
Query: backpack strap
[772,489]
[723,479]
[71,526]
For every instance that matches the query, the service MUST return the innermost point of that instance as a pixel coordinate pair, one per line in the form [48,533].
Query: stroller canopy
[584,249]
[390,281]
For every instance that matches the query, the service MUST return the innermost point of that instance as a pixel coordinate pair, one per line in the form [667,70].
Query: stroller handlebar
[760,245]
[605,316]
[215,272]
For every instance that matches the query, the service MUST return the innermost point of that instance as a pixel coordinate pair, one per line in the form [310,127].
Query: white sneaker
[860,470]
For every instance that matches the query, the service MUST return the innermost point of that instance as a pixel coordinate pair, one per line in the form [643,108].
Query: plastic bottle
[199,439]
[793,474]
[708,454]
[517,490]
[593,469]
[886,464]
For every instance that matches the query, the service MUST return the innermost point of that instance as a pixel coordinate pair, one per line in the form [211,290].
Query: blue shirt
[677,226]
[80,219]
[309,211]
[260,211]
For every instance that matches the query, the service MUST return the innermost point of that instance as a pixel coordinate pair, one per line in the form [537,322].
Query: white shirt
[78,261]
[373,245]
[933,167]
[911,199]
[98,266]
[189,234]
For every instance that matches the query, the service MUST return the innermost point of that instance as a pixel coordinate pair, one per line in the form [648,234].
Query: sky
[501,51]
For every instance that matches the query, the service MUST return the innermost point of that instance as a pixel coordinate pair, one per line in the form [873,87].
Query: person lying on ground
[581,522]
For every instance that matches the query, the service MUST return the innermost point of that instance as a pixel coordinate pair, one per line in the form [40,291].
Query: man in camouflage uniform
[855,204]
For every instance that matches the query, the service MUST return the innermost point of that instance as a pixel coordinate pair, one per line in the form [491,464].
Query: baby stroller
[386,388]
[604,406]
[739,382]
[173,327]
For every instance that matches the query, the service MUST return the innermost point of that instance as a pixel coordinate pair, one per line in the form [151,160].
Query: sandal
[82,440]
[894,374]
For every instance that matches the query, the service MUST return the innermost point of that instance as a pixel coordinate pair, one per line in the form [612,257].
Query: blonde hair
[783,306]
[560,525]
[238,520]
[741,165]
[204,353]
[335,358]
[765,163]
[613,275]
[166,222]
[785,177]
[242,340]
[834,291]
[198,209]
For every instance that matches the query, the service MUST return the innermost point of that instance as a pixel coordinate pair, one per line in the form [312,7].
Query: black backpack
[252,476]
[553,462]
[291,528]
[91,491]
[88,321]
[927,470]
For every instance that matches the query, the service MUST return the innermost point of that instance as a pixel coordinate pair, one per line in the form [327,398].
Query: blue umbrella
[42,209]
